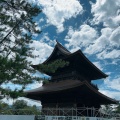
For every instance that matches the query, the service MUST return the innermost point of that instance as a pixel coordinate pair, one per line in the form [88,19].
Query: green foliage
[3,105]
[12,93]
[20,107]
[118,108]
[53,66]
[16,29]
[20,104]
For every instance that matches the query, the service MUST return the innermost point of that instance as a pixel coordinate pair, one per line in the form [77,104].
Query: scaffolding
[84,111]
[65,113]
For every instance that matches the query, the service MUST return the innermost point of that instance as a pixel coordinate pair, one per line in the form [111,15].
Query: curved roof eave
[80,52]
[41,90]
[97,92]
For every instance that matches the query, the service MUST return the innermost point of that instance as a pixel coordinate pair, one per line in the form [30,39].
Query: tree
[19,104]
[17,26]
[3,105]
[20,107]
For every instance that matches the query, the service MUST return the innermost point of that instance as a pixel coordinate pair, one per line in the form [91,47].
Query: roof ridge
[59,45]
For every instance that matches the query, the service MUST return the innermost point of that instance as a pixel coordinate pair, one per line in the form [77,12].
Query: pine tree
[16,28]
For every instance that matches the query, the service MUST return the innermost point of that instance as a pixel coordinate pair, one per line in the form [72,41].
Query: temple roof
[59,49]
[86,66]
[70,85]
[78,61]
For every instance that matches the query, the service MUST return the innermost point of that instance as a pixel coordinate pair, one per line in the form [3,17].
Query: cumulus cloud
[45,39]
[109,54]
[111,87]
[41,50]
[8,101]
[112,94]
[104,43]
[103,12]
[108,42]
[11,86]
[97,64]
[33,86]
[113,84]
[115,37]
[82,37]
[57,11]
[29,101]
[100,43]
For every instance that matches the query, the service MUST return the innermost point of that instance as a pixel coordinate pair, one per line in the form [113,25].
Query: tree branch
[9,32]
[9,5]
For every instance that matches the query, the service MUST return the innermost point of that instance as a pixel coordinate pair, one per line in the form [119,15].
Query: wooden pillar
[75,105]
[57,110]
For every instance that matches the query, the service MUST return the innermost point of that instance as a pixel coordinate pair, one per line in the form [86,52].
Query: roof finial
[57,41]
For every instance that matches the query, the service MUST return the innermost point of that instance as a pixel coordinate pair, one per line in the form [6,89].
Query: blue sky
[90,25]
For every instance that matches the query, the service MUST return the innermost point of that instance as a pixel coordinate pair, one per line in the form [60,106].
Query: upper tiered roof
[78,62]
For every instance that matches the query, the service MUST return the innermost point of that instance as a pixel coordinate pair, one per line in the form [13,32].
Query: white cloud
[109,38]
[111,87]
[82,37]
[97,64]
[100,43]
[112,94]
[57,11]
[108,43]
[8,101]
[113,84]
[109,54]
[115,37]
[104,44]
[45,39]
[41,20]
[11,86]
[42,50]
[107,11]
[34,85]
[29,101]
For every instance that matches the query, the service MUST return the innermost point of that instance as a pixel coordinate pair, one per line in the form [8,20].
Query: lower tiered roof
[69,91]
